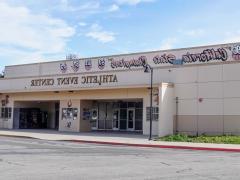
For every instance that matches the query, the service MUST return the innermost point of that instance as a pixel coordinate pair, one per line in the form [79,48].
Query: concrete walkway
[116,138]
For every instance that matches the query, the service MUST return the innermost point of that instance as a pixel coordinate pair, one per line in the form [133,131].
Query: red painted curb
[157,146]
[142,145]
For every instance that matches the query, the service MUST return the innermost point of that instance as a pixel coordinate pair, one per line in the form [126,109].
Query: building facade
[195,91]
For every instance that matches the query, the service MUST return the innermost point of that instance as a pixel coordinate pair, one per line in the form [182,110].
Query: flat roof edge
[125,54]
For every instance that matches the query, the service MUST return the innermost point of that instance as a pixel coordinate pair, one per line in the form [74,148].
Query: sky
[47,30]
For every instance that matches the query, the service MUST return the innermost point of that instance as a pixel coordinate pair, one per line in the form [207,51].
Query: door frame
[133,128]
[114,128]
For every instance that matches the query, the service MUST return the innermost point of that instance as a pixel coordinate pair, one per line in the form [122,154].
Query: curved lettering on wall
[206,55]
[140,62]
[164,59]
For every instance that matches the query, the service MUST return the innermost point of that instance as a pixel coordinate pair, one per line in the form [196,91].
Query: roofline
[125,54]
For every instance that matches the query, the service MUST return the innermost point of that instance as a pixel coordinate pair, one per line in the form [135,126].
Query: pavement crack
[165,164]
[14,163]
[184,170]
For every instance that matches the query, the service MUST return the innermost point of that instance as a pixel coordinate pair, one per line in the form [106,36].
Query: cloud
[100,35]
[113,8]
[132,2]
[15,56]
[82,24]
[64,5]
[193,32]
[24,33]
[168,43]
[232,37]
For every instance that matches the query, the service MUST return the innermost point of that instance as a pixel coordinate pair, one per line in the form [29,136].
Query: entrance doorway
[36,115]
[114,115]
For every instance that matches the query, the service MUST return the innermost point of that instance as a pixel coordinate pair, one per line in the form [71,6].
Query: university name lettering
[205,56]
[100,79]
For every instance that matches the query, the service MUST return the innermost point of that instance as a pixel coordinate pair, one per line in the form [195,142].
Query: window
[155,113]
[6,112]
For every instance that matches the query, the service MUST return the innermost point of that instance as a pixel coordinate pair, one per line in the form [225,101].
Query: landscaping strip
[224,139]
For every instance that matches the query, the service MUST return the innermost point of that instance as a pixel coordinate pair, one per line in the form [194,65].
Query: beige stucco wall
[208,92]
[218,87]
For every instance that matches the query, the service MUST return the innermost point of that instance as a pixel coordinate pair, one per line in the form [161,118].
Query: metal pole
[151,95]
[177,114]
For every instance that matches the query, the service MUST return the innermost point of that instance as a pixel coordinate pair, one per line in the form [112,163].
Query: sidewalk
[117,138]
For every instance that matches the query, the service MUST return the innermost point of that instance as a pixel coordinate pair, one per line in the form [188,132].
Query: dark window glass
[130,124]
[123,114]
[139,114]
[131,104]
[155,113]
[123,124]
[123,104]
[9,112]
[101,124]
[2,112]
[108,124]
[139,104]
[138,125]
[116,105]
[6,112]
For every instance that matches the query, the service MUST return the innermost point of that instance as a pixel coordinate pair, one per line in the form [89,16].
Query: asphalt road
[38,159]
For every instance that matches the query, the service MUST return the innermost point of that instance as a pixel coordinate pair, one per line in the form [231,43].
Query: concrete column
[166,109]
[64,123]
[146,123]
[85,125]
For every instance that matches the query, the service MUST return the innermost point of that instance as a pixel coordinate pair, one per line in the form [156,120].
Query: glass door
[131,119]
[94,118]
[116,117]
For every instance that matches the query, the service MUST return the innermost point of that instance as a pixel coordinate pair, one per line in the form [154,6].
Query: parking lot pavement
[40,159]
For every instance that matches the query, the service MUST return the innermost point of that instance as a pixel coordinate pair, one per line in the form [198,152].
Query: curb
[157,146]
[139,145]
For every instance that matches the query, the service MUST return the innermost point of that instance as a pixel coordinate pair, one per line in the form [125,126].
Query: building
[195,91]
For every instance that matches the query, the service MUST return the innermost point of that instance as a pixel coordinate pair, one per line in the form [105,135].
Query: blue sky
[46,30]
